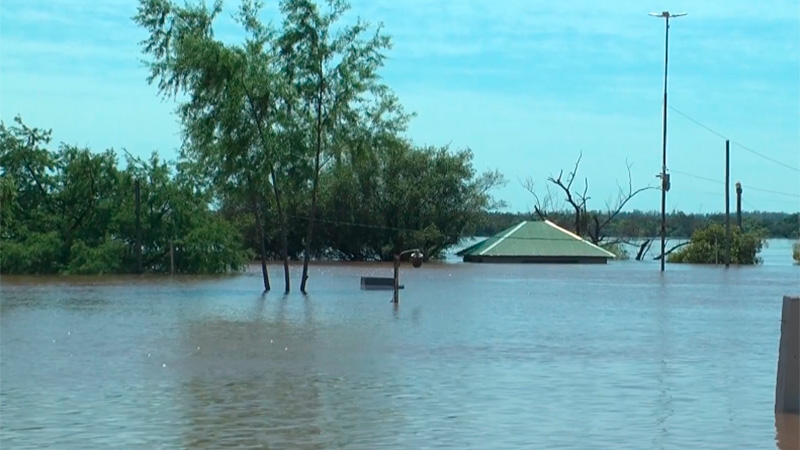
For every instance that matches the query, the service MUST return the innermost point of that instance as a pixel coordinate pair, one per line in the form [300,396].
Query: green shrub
[796,252]
[38,253]
[214,247]
[106,258]
[707,246]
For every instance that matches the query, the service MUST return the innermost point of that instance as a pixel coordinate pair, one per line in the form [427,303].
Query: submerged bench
[378,283]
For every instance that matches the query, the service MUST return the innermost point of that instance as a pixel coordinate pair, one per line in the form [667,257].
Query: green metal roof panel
[539,238]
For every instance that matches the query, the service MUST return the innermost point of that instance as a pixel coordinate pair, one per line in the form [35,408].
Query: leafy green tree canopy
[707,246]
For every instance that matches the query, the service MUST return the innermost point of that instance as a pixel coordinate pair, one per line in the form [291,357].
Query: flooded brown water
[475,356]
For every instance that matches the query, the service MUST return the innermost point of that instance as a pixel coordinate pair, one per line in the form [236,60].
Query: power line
[766,157]
[696,122]
[744,147]
[697,176]
[769,191]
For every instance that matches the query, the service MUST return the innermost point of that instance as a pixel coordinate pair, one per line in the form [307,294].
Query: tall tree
[229,117]
[336,74]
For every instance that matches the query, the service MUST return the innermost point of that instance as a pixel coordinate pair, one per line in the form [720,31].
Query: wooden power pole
[727,203]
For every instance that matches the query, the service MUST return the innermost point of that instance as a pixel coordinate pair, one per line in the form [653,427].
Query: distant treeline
[644,224]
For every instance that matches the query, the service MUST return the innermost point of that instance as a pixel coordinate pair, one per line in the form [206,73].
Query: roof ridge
[578,237]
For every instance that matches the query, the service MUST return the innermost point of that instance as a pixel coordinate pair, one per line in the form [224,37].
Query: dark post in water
[138,201]
[739,204]
[787,387]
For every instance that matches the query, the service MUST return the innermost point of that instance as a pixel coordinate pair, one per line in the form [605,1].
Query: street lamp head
[667,15]
[416,259]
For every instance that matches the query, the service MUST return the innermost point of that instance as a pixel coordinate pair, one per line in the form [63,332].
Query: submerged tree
[334,75]
[73,211]
[707,246]
[273,108]
[230,117]
[586,222]
[403,197]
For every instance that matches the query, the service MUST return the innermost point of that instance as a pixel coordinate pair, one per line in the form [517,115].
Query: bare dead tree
[586,223]
[624,195]
[576,200]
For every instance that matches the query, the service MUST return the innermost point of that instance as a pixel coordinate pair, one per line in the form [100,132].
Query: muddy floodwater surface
[474,357]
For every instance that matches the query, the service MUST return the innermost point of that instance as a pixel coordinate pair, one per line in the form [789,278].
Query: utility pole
[665,184]
[739,205]
[138,201]
[727,203]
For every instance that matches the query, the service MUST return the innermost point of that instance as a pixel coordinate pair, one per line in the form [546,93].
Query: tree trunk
[314,187]
[262,244]
[277,192]
[283,230]
[643,249]
[310,230]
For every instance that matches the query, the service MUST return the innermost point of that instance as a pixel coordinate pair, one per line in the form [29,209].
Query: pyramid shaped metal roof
[538,241]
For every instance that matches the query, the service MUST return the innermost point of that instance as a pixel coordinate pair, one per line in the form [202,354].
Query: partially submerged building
[536,242]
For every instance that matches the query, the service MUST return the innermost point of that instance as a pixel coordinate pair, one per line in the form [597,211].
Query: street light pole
[416,261]
[665,184]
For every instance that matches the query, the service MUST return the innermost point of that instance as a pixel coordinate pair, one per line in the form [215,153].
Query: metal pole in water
[665,184]
[787,387]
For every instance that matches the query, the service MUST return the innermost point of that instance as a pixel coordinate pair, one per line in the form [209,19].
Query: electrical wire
[769,191]
[696,176]
[698,123]
[766,157]
[742,146]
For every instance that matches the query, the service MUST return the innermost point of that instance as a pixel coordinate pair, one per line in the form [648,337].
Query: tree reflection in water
[276,383]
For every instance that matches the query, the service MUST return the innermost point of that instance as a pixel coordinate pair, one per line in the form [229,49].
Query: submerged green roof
[538,239]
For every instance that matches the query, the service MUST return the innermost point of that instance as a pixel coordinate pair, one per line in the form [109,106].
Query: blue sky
[527,85]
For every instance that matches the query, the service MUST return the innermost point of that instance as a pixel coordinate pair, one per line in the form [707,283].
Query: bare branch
[672,250]
[623,198]
[541,206]
[582,197]
[575,170]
